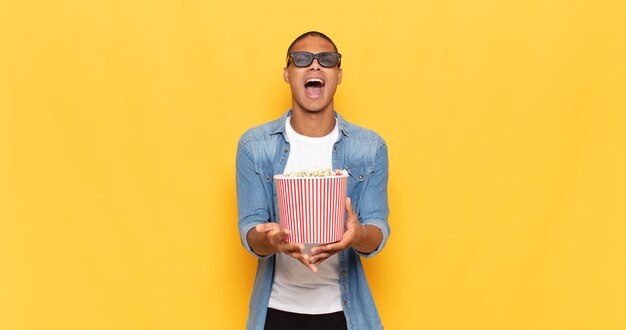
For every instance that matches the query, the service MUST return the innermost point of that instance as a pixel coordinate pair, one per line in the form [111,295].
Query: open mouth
[314,87]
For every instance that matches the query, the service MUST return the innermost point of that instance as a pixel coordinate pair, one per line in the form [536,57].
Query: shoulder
[362,147]
[261,142]
[263,132]
[361,134]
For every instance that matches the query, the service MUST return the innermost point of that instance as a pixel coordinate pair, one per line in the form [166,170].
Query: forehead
[313,44]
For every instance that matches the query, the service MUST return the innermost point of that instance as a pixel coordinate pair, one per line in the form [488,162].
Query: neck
[313,124]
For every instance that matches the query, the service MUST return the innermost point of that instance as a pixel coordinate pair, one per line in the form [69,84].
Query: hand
[269,238]
[355,234]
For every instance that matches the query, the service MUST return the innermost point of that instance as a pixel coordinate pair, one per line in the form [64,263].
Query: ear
[286,75]
[339,75]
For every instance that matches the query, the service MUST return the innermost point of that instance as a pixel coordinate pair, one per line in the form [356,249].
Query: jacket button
[345,303]
[360,177]
[343,273]
[267,178]
[286,150]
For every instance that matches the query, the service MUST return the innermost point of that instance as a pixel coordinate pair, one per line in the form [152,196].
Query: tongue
[313,91]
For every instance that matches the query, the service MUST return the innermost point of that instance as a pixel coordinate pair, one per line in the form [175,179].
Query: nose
[315,65]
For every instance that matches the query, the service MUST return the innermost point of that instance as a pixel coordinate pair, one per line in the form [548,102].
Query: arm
[366,233]
[258,235]
[366,237]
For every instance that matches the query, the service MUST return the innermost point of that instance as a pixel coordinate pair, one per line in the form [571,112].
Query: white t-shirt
[296,288]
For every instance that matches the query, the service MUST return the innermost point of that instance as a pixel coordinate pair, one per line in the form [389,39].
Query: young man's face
[312,87]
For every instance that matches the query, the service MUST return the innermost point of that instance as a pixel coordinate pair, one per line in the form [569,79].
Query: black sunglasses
[325,59]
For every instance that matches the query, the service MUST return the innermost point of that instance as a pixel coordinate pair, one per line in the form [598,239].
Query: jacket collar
[279,126]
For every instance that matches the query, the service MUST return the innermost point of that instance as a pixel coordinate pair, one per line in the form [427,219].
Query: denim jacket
[262,152]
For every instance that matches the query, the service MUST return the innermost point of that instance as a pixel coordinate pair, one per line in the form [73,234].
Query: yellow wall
[506,128]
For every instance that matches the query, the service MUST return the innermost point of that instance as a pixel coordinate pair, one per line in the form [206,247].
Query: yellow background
[506,128]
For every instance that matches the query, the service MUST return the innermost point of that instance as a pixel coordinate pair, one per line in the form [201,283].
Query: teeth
[315,80]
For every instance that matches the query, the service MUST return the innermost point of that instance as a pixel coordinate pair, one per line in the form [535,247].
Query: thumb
[349,208]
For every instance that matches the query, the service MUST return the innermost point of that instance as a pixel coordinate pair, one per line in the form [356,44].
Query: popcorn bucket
[312,208]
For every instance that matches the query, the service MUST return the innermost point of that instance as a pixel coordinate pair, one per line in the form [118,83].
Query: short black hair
[310,34]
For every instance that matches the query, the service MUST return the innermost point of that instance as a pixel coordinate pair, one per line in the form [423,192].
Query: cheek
[331,86]
[294,81]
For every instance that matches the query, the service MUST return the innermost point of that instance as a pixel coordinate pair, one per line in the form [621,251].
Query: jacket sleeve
[252,203]
[374,205]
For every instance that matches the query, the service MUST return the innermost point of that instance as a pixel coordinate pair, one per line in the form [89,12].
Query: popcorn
[317,173]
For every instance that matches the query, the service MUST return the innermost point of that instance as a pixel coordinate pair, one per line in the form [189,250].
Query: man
[312,287]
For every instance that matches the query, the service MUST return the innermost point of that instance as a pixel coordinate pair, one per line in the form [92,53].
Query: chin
[313,105]
[314,109]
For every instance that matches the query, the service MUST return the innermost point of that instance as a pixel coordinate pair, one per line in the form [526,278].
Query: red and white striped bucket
[312,208]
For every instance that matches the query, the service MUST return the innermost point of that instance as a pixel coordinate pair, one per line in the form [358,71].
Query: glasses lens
[328,59]
[302,59]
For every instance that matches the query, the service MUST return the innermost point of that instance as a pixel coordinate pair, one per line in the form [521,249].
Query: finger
[338,246]
[318,249]
[297,255]
[318,258]
[320,255]
[349,208]
[282,234]
[332,248]
[304,259]
[307,262]
[293,248]
[323,248]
